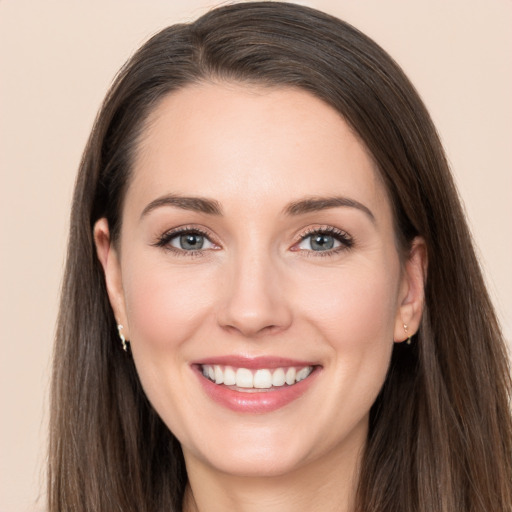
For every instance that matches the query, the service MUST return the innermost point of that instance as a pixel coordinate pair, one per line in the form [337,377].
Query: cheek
[353,311]
[165,305]
[353,305]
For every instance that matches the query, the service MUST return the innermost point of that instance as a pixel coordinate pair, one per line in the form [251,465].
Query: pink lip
[254,363]
[254,401]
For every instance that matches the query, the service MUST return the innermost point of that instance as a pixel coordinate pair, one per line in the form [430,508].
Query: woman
[271,297]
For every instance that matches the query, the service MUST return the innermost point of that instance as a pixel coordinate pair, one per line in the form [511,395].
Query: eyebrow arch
[195,204]
[315,204]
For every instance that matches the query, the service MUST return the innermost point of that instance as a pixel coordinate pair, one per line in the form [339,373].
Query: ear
[412,292]
[109,259]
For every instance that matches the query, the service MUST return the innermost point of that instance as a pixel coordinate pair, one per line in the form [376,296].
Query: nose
[254,297]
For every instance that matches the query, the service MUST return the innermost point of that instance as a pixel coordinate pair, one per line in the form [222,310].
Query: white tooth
[278,377]
[290,376]
[262,379]
[244,378]
[229,376]
[211,373]
[205,370]
[303,373]
[219,376]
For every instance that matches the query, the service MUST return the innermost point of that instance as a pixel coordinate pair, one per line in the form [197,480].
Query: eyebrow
[315,204]
[213,207]
[195,204]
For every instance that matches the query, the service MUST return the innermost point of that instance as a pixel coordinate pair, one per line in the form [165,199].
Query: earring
[123,339]
[407,332]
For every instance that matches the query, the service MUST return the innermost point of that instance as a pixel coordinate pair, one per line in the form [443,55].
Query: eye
[186,241]
[326,240]
[190,242]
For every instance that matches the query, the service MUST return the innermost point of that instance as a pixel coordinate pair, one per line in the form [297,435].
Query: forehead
[230,141]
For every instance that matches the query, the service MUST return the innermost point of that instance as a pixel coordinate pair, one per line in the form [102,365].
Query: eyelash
[164,241]
[346,241]
[343,237]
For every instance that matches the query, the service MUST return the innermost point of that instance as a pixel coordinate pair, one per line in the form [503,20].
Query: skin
[258,289]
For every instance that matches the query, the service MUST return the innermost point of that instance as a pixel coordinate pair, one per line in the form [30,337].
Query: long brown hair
[440,435]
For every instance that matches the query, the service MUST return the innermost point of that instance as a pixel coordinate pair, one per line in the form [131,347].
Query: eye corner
[173,241]
[340,241]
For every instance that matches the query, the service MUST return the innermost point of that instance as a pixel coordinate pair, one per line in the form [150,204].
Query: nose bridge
[254,297]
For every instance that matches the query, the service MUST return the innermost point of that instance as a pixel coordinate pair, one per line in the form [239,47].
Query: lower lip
[255,402]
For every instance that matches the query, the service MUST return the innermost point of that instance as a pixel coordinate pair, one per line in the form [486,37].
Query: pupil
[191,241]
[322,242]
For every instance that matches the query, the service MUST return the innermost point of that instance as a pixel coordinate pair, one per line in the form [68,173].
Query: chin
[258,462]
[257,451]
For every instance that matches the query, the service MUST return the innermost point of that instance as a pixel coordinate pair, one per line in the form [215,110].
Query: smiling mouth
[244,379]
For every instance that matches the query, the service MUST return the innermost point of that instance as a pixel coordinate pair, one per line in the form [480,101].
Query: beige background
[57,59]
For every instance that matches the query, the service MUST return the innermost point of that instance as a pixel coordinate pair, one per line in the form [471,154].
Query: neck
[328,485]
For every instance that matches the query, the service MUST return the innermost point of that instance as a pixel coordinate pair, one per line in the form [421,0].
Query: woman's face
[258,279]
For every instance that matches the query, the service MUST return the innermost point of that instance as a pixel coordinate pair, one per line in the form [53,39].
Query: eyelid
[165,238]
[346,240]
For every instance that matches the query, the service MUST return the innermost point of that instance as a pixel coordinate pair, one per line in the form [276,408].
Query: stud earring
[407,332]
[123,339]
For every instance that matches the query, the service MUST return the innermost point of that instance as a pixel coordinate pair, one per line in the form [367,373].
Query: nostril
[249,330]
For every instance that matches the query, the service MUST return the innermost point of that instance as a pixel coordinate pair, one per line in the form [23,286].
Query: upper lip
[254,363]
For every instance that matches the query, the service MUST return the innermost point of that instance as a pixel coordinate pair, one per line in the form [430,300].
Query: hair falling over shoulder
[440,434]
